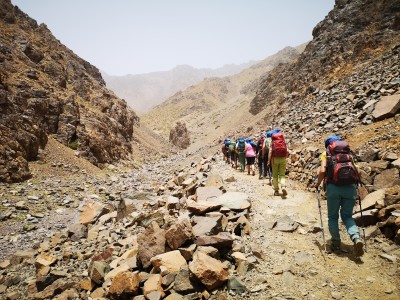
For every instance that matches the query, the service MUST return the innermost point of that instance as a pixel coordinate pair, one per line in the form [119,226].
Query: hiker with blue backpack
[241,151]
[225,150]
[341,175]
[277,160]
[250,151]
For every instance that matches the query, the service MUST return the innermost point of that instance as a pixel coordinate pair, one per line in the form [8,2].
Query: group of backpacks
[275,138]
[341,169]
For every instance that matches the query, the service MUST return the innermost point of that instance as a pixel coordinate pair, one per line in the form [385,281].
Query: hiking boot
[259,177]
[276,193]
[358,247]
[284,192]
[335,246]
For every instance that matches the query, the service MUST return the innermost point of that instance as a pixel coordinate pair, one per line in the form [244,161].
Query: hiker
[225,150]
[250,156]
[265,154]
[260,157]
[277,159]
[341,176]
[240,150]
[232,153]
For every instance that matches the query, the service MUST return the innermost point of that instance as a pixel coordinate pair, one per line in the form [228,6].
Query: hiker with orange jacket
[277,159]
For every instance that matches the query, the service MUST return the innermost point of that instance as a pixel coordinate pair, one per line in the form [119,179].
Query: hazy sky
[133,37]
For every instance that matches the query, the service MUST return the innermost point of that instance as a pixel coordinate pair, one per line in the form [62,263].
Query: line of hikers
[338,171]
[271,153]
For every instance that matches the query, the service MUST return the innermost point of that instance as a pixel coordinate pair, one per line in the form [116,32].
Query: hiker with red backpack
[250,156]
[341,176]
[277,159]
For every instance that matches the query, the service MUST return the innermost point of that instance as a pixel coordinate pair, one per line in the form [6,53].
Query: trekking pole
[362,218]
[320,216]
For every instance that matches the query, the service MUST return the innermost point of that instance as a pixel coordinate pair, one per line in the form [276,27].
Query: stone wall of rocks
[182,244]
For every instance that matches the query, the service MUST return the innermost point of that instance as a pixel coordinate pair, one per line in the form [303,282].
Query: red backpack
[340,165]
[278,145]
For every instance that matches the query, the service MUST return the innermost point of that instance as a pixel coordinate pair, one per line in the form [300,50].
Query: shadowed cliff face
[352,33]
[46,89]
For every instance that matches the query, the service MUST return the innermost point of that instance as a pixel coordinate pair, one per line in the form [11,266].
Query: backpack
[241,145]
[278,144]
[339,164]
[232,146]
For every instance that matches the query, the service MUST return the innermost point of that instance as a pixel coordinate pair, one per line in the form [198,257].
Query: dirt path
[295,264]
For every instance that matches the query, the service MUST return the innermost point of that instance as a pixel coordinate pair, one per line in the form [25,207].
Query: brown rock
[153,284]
[98,270]
[207,225]
[209,271]
[183,283]
[387,107]
[221,240]
[179,136]
[55,288]
[98,293]
[86,284]
[124,284]
[151,243]
[387,178]
[125,208]
[215,180]
[188,252]
[370,200]
[43,260]
[200,208]
[77,232]
[179,233]
[207,193]
[90,210]
[170,262]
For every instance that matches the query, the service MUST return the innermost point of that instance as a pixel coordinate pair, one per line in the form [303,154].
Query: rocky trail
[294,264]
[279,255]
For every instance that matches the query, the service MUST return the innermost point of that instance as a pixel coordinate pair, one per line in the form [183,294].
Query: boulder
[179,135]
[219,241]
[207,225]
[124,285]
[210,271]
[183,284]
[151,243]
[77,232]
[207,193]
[200,208]
[169,262]
[236,201]
[387,178]
[387,107]
[153,285]
[179,233]
[90,210]
[371,200]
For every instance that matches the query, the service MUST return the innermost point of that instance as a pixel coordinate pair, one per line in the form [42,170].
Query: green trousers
[278,171]
[242,160]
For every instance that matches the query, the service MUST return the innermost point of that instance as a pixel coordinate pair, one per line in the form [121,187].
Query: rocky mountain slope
[143,91]
[353,33]
[45,89]
[214,105]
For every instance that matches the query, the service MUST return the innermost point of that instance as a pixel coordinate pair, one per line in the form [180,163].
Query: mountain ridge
[143,91]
